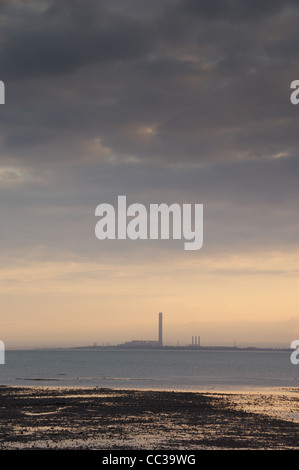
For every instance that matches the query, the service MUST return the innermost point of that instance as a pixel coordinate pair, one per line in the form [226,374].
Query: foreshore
[37,417]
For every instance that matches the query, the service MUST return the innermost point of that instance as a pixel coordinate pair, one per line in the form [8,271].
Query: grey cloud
[202,106]
[232,10]
[248,205]
[208,91]
[67,36]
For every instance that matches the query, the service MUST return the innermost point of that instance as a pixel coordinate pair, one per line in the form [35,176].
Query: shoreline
[110,418]
[230,390]
[226,389]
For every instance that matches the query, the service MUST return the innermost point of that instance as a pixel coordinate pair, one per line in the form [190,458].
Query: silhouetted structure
[160,337]
[147,343]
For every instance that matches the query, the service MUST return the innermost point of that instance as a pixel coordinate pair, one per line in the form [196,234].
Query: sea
[166,369]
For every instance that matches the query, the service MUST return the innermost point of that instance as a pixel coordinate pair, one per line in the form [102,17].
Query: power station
[138,343]
[195,341]
[160,340]
[147,343]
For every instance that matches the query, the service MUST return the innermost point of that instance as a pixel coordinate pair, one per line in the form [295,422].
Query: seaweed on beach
[97,418]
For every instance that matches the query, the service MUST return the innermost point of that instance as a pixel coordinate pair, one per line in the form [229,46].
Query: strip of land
[110,419]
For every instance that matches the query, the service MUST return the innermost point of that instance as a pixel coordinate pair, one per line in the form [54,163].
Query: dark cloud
[161,99]
[232,10]
[67,36]
[165,87]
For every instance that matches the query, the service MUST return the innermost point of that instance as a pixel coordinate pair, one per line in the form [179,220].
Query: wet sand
[110,419]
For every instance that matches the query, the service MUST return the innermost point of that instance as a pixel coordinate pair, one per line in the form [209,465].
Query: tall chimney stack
[160,340]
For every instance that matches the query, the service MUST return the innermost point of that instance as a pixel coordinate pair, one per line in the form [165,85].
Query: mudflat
[99,418]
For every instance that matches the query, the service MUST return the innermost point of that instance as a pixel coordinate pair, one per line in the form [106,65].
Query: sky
[164,101]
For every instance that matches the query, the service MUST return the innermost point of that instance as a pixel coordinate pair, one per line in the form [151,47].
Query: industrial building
[147,343]
[195,341]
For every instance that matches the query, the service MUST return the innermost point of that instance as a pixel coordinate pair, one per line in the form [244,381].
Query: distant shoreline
[155,348]
[121,347]
[189,348]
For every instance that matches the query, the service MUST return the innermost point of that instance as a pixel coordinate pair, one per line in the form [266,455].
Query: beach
[39,417]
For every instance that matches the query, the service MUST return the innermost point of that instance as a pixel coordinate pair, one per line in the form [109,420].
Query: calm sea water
[150,369]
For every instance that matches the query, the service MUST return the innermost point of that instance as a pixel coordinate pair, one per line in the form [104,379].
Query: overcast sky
[162,101]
